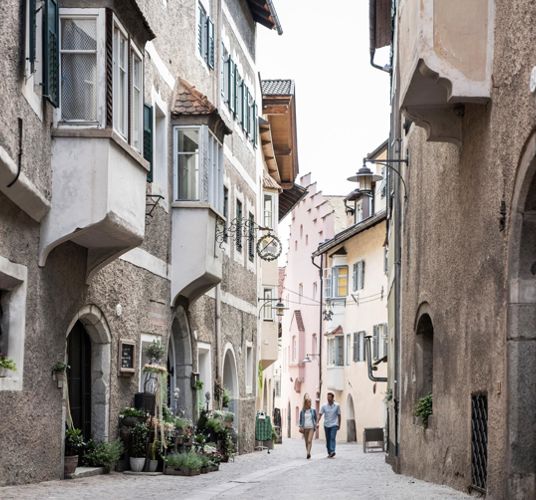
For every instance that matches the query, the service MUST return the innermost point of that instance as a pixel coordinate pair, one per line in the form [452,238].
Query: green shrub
[423,409]
[138,440]
[190,460]
[74,442]
[103,454]
[7,363]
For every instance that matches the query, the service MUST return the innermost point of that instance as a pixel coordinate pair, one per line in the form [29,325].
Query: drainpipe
[218,336]
[320,323]
[371,368]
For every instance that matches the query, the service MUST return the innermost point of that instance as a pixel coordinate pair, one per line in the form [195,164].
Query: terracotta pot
[137,464]
[70,462]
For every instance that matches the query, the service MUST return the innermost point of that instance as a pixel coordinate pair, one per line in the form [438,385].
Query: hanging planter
[59,373]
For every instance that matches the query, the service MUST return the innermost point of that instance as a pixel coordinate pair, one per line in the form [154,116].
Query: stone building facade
[463,116]
[93,202]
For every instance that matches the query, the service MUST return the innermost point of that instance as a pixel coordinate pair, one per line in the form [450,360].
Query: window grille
[79,69]
[479,441]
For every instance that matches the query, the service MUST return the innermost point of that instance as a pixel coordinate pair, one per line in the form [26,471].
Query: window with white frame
[339,280]
[269,211]
[137,100]
[196,149]
[268,310]
[359,346]
[358,275]
[380,344]
[120,79]
[13,286]
[78,54]
[250,363]
[336,351]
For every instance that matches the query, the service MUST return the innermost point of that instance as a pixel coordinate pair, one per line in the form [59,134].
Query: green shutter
[201,23]
[210,43]
[232,84]
[51,52]
[148,138]
[31,34]
[255,125]
[238,97]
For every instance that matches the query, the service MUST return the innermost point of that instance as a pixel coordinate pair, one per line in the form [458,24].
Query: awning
[289,198]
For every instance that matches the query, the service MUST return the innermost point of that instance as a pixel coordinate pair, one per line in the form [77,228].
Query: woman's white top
[308,419]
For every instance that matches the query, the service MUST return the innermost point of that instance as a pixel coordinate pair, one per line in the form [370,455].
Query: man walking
[332,423]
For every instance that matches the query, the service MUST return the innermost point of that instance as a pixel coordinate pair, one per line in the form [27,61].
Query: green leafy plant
[155,351]
[190,461]
[228,416]
[226,398]
[132,412]
[60,367]
[74,442]
[423,409]
[138,440]
[154,448]
[103,454]
[7,363]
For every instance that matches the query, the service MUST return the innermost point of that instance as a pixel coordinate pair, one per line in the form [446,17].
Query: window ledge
[102,133]
[198,204]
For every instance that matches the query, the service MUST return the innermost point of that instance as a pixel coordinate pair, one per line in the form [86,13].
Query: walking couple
[309,422]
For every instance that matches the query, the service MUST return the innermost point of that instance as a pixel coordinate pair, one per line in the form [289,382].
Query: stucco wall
[454,258]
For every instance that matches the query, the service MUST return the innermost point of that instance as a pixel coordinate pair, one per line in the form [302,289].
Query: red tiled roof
[190,101]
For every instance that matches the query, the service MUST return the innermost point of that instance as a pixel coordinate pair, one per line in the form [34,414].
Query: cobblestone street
[282,474]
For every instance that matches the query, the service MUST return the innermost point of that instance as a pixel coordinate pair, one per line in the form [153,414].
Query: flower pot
[153,465]
[70,462]
[137,464]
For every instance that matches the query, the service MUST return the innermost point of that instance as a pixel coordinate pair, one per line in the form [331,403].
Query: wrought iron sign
[268,246]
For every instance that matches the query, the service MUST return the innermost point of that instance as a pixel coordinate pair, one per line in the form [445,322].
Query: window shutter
[354,277]
[255,125]
[362,274]
[375,342]
[51,52]
[245,94]
[238,98]
[201,24]
[232,85]
[31,34]
[225,77]
[210,43]
[148,138]
[355,356]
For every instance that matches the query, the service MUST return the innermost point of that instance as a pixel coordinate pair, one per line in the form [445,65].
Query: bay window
[268,211]
[198,166]
[336,351]
[339,281]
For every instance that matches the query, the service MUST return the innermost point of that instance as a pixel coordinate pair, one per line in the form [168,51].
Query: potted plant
[153,461]
[6,365]
[423,409]
[74,443]
[183,464]
[138,447]
[103,454]
[155,352]
[129,417]
[59,373]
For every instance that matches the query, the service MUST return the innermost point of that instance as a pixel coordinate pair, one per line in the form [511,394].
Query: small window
[359,346]
[239,216]
[379,341]
[358,275]
[336,351]
[268,311]
[315,289]
[120,79]
[340,281]
[187,151]
[79,69]
[268,211]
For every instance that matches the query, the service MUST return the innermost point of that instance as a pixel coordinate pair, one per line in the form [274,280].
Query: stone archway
[351,433]
[521,328]
[180,365]
[230,381]
[95,325]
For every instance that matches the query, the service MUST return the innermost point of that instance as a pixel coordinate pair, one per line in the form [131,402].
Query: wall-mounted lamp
[278,306]
[308,359]
[365,177]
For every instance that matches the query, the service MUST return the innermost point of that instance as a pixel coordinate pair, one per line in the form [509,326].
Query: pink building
[315,219]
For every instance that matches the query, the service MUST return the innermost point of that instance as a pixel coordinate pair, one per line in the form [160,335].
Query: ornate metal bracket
[152,201]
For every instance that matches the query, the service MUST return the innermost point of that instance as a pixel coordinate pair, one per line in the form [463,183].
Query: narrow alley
[282,474]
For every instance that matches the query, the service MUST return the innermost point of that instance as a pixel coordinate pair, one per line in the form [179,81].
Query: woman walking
[308,423]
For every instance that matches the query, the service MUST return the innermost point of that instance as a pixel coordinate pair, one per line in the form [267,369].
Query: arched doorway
[520,338]
[88,352]
[230,381]
[79,378]
[351,434]
[180,365]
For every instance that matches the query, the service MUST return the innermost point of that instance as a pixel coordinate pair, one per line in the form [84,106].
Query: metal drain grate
[479,441]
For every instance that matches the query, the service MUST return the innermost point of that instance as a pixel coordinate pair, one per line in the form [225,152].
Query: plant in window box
[74,445]
[138,446]
[6,365]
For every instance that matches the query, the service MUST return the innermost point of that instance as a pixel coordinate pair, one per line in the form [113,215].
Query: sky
[342,101]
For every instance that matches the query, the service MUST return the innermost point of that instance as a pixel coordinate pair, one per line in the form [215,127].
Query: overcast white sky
[342,102]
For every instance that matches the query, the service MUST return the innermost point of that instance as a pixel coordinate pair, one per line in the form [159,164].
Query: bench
[373,439]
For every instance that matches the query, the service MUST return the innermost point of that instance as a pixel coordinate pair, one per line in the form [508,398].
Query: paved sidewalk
[282,474]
